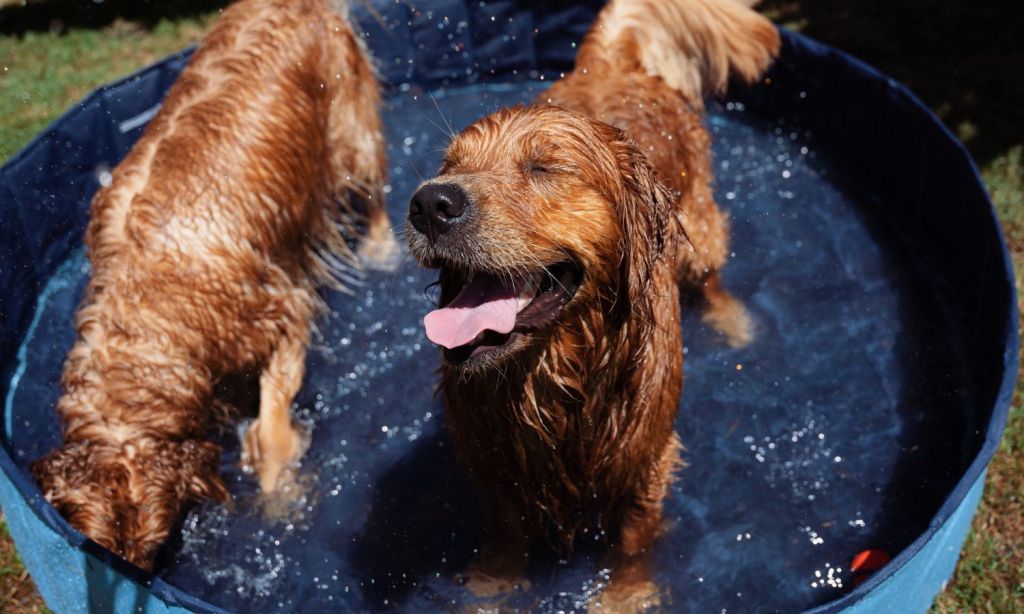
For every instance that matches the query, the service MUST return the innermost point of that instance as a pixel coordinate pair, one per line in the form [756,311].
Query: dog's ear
[646,217]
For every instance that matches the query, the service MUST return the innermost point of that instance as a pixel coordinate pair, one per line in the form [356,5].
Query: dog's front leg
[499,567]
[273,442]
[726,313]
[632,588]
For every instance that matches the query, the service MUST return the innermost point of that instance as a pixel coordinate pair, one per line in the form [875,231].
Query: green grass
[1004,178]
[17,593]
[42,74]
[971,80]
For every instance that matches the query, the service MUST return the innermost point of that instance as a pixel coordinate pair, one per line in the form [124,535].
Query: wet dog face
[536,213]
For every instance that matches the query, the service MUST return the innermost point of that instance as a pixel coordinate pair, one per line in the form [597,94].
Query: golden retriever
[563,231]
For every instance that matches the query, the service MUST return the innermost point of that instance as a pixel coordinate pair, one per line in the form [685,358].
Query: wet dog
[207,249]
[562,232]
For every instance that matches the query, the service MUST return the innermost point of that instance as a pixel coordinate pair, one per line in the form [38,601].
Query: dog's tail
[694,45]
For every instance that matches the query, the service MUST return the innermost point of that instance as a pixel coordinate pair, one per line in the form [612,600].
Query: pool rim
[968,482]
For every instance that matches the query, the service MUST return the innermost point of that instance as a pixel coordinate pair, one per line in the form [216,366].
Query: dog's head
[537,213]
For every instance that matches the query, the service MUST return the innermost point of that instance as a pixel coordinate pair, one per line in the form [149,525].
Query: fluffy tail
[694,45]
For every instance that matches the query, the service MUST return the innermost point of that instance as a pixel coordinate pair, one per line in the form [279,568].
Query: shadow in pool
[424,521]
[934,408]
[938,436]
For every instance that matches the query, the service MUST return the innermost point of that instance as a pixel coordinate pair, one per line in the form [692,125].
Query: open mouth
[491,311]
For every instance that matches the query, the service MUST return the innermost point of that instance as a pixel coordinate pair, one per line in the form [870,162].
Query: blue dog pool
[862,417]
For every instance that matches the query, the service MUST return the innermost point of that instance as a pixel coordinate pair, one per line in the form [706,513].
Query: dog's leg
[700,267]
[356,143]
[379,250]
[631,588]
[273,442]
[725,313]
[499,567]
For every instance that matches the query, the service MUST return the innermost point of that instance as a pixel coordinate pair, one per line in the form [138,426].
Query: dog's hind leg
[726,313]
[701,263]
[273,442]
[357,148]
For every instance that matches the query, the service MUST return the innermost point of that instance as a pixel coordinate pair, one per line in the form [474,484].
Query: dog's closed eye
[540,169]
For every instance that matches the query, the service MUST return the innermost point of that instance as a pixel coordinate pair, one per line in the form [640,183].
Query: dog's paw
[630,598]
[384,255]
[482,585]
[489,593]
[379,250]
[273,456]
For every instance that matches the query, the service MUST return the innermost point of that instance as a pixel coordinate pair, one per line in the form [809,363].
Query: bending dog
[207,249]
[562,232]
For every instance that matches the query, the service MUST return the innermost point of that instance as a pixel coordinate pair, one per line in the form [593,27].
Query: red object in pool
[866,563]
[869,560]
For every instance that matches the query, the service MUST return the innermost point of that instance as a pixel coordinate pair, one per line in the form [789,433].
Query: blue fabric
[910,175]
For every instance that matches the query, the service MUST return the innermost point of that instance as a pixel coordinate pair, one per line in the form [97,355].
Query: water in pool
[840,428]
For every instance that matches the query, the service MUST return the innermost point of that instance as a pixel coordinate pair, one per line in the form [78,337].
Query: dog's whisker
[415,170]
[440,129]
[393,276]
[451,131]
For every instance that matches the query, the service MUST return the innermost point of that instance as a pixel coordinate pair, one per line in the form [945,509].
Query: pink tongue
[486,303]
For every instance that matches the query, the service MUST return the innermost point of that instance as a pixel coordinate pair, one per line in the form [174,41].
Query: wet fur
[207,249]
[575,428]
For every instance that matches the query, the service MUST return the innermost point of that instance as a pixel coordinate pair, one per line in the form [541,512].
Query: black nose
[435,208]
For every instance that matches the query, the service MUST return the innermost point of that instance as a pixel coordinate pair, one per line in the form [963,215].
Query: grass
[17,593]
[44,73]
[963,63]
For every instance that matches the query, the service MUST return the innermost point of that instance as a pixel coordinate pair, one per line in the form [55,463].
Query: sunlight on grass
[42,74]
[1004,178]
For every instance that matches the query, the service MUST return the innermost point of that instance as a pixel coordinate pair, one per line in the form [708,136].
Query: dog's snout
[435,208]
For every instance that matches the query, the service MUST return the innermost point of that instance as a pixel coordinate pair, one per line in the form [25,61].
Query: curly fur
[207,249]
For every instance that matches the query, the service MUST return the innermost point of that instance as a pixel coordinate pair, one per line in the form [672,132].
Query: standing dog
[207,249]
[558,230]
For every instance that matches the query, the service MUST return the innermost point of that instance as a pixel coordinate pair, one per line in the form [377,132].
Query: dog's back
[248,151]
[645,67]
